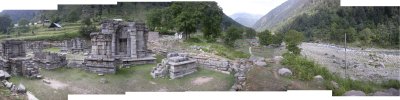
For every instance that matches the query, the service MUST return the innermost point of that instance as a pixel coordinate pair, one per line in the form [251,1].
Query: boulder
[354,93]
[261,63]
[379,93]
[335,85]
[393,92]
[21,88]
[318,78]
[278,59]
[380,65]
[284,72]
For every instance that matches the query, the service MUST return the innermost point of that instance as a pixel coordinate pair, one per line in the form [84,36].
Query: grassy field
[69,30]
[135,78]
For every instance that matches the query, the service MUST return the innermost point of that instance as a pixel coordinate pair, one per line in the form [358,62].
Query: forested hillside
[365,26]
[327,21]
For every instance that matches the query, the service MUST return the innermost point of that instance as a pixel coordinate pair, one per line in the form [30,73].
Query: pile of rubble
[240,68]
[176,65]
[4,78]
[49,60]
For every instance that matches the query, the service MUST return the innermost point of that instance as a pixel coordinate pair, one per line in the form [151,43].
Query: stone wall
[49,60]
[14,61]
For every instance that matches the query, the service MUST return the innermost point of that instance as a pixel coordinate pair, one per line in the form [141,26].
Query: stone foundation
[49,60]
[176,65]
[14,61]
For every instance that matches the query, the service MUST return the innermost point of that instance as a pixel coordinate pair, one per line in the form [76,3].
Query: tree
[23,25]
[154,18]
[5,23]
[366,36]
[86,28]
[292,39]
[231,35]
[250,33]
[211,20]
[265,37]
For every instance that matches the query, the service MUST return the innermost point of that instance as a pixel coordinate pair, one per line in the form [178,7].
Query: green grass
[305,70]
[52,49]
[216,48]
[135,78]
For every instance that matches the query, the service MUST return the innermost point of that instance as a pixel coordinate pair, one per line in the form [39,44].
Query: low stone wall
[49,60]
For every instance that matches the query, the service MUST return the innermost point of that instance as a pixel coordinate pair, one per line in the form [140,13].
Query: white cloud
[260,7]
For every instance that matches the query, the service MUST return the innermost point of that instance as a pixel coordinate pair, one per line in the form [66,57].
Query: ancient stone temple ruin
[49,60]
[14,61]
[74,45]
[176,65]
[118,43]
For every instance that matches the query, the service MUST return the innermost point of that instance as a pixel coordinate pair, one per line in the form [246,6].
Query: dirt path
[362,64]
[201,80]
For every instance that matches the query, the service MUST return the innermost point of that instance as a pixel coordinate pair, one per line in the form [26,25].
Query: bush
[231,35]
[292,39]
[305,70]
[85,31]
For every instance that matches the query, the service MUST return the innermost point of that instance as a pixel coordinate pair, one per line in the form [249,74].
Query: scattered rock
[285,72]
[100,74]
[46,81]
[379,93]
[380,65]
[354,93]
[335,85]
[103,80]
[21,89]
[326,54]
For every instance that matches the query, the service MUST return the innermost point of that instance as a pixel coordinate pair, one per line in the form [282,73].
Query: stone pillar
[133,42]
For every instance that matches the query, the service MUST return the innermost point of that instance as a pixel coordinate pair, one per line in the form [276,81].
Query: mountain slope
[245,19]
[327,21]
[284,13]
[16,15]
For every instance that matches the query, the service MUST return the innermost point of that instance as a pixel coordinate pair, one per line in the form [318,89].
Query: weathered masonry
[14,61]
[118,43]
[176,65]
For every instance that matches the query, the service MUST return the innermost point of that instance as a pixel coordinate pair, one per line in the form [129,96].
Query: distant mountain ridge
[245,19]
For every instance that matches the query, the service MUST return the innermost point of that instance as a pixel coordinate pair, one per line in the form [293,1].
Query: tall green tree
[5,23]
[23,25]
[211,20]
[265,37]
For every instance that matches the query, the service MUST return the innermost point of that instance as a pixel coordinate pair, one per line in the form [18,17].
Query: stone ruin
[118,43]
[176,65]
[49,60]
[75,45]
[13,59]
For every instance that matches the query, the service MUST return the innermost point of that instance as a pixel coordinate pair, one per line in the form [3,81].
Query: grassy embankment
[305,69]
[215,47]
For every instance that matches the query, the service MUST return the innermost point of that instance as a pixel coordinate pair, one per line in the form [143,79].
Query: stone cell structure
[176,65]
[118,43]
[14,61]
[49,60]
[74,45]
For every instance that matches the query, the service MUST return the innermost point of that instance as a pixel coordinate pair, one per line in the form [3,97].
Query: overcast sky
[260,7]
